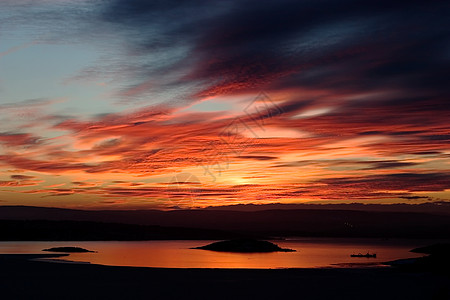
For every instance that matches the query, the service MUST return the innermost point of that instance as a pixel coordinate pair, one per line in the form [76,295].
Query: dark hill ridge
[438,208]
[276,222]
[15,230]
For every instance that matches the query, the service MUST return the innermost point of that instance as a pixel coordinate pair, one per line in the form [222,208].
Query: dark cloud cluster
[336,45]
[19,139]
[383,64]
[412,182]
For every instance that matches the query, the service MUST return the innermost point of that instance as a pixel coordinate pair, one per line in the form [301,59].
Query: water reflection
[311,253]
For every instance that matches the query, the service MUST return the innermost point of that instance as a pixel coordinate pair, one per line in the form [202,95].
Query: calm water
[311,253]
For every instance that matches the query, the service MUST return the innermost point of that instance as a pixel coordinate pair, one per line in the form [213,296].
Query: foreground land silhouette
[437,260]
[24,279]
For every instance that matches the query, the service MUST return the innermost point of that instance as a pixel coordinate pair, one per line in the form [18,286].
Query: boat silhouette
[374,255]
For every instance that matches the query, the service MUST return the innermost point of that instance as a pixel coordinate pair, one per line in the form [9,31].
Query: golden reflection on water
[311,253]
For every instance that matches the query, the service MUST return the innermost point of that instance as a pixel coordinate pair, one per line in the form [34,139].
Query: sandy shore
[21,278]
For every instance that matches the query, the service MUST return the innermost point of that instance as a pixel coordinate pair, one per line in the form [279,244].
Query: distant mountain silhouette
[41,230]
[439,208]
[277,222]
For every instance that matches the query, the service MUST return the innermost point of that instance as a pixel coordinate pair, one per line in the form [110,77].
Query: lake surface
[311,253]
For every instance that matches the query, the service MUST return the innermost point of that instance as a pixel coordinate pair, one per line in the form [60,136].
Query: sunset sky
[159,104]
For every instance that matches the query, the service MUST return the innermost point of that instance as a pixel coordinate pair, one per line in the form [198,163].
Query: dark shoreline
[22,278]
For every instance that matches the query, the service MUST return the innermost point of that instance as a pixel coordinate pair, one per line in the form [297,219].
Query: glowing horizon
[134,104]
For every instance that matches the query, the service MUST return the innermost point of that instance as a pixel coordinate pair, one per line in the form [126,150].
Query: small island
[244,246]
[68,249]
